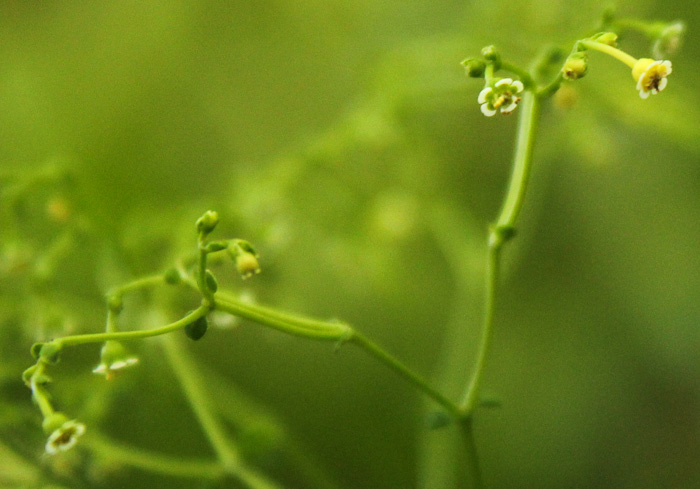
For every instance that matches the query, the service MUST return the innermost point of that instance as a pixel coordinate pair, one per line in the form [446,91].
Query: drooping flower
[650,75]
[113,357]
[501,95]
[64,437]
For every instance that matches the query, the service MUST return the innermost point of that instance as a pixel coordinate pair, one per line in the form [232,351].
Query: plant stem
[330,331]
[500,233]
[137,284]
[614,52]
[473,466]
[153,462]
[135,335]
[192,384]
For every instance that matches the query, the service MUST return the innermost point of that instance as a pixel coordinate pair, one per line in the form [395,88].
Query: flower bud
[492,55]
[172,276]
[207,222]
[609,38]
[196,330]
[575,66]
[474,67]
[246,258]
[115,304]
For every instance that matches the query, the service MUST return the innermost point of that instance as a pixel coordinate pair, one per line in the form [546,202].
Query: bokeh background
[343,139]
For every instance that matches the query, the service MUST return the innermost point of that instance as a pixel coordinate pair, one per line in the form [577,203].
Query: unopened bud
[575,66]
[207,222]
[474,67]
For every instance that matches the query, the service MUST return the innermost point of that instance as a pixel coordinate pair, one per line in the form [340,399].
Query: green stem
[151,461]
[141,283]
[500,233]
[401,369]
[524,76]
[474,469]
[614,52]
[191,382]
[135,335]
[39,394]
[320,330]
[202,273]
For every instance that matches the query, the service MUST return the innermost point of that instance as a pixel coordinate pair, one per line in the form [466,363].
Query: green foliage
[344,142]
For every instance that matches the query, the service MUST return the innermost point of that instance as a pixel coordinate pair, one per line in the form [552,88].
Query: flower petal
[486,111]
[518,85]
[483,94]
[504,81]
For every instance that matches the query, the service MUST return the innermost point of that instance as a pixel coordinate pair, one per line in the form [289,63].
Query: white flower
[651,75]
[64,437]
[108,369]
[502,95]
[113,358]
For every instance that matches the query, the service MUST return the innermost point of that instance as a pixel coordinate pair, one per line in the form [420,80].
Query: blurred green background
[343,139]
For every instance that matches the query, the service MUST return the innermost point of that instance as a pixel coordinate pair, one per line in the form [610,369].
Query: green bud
[474,67]
[247,265]
[492,55]
[609,38]
[115,304]
[211,281]
[172,277]
[50,352]
[575,66]
[196,330]
[53,422]
[207,222]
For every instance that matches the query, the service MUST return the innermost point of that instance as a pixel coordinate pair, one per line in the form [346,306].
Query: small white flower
[651,75]
[108,369]
[65,437]
[113,358]
[503,95]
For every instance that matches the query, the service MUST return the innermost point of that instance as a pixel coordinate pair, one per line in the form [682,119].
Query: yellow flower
[650,75]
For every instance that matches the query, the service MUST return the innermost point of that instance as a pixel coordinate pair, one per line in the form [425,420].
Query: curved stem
[320,330]
[500,233]
[137,284]
[614,52]
[134,335]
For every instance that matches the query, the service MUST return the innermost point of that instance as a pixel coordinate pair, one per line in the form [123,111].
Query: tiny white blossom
[113,357]
[503,95]
[651,75]
[108,369]
[65,437]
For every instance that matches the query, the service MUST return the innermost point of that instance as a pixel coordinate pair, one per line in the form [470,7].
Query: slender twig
[500,233]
